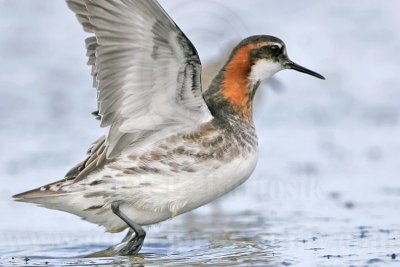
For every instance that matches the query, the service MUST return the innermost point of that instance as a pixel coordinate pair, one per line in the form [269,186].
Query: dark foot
[133,241]
[130,245]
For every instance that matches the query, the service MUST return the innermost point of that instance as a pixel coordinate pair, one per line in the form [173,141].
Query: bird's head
[253,60]
[268,55]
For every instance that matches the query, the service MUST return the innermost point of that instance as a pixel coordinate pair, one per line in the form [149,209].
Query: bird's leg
[135,237]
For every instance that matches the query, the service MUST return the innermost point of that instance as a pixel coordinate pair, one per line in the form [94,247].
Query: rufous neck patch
[235,85]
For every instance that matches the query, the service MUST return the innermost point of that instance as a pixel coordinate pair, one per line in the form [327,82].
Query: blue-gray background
[328,149]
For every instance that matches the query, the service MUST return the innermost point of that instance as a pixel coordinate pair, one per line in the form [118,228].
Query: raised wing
[147,73]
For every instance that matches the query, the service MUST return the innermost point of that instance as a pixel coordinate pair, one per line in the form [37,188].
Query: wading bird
[169,148]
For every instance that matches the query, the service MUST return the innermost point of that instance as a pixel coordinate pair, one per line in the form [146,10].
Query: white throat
[263,70]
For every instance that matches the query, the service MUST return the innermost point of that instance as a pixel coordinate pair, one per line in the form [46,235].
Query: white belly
[153,198]
[169,195]
[216,183]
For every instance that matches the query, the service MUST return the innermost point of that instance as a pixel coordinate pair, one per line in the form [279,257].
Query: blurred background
[326,190]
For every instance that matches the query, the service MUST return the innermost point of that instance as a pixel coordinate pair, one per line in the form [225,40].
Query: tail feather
[31,195]
[50,190]
[94,209]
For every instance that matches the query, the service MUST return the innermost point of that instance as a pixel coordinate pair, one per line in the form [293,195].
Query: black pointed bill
[294,66]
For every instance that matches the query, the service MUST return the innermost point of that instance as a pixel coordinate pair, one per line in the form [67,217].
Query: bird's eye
[276,50]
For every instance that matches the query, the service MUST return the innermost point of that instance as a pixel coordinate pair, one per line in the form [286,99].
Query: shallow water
[238,239]
[326,190]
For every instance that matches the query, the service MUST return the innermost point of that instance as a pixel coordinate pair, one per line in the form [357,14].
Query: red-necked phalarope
[169,148]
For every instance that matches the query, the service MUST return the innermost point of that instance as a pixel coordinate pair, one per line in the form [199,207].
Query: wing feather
[147,73]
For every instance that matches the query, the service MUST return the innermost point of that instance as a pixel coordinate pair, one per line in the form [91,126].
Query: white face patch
[263,70]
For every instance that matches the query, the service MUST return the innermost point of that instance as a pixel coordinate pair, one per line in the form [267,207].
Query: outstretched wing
[147,73]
